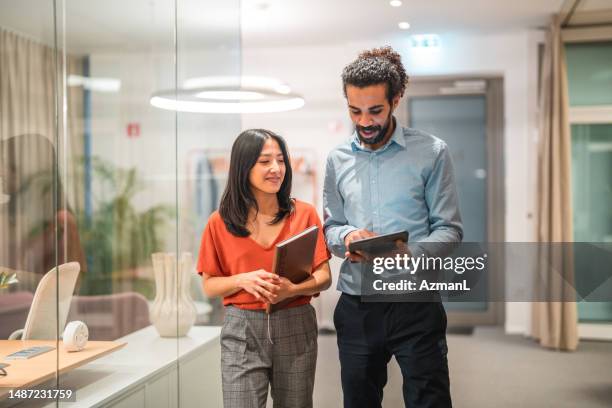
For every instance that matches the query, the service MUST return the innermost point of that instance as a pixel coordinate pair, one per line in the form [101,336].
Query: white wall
[314,71]
[167,142]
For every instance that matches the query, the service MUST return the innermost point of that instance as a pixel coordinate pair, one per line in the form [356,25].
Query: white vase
[173,312]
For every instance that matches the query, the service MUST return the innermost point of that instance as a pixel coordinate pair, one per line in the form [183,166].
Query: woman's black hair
[238,198]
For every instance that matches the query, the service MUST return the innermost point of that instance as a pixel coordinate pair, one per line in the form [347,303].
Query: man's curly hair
[377,66]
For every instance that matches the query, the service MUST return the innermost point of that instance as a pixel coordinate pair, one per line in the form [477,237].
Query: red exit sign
[133,130]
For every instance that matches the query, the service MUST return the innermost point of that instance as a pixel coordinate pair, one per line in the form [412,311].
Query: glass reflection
[91,173]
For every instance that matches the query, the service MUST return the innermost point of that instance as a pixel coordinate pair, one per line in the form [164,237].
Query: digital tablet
[378,244]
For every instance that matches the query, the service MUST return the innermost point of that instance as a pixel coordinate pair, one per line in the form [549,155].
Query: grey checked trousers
[250,362]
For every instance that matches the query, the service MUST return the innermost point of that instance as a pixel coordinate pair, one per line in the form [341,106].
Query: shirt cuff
[337,242]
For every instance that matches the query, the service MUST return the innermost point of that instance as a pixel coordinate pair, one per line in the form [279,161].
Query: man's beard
[382,131]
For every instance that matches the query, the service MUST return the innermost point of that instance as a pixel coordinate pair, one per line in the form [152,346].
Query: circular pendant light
[229,95]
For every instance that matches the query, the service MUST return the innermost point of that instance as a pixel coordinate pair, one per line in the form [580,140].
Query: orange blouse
[224,254]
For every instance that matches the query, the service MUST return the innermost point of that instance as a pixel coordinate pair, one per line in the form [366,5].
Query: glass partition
[104,198]
[28,136]
[208,50]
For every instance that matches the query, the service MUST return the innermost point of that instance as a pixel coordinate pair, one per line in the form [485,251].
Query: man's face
[370,112]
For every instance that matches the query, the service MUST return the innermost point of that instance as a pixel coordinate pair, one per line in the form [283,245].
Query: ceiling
[94,26]
[283,22]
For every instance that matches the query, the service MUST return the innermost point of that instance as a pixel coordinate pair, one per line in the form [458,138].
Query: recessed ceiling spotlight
[395,3]
[404,25]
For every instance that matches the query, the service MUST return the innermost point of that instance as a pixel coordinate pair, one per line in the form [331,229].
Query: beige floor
[491,370]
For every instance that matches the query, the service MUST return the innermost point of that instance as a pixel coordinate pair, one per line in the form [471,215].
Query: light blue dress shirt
[407,184]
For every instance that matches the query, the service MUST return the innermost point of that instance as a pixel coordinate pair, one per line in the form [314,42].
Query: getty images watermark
[406,265]
[492,272]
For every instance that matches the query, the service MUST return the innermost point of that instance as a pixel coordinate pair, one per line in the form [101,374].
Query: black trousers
[370,333]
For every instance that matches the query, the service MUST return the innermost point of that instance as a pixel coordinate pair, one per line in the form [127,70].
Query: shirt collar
[397,137]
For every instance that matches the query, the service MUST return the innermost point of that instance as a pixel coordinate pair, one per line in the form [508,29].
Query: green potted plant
[117,237]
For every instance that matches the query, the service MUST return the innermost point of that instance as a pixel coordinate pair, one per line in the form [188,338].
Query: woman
[39,230]
[236,255]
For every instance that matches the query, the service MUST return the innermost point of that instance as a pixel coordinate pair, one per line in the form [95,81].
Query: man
[384,179]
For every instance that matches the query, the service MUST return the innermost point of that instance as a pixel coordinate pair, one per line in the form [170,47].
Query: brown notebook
[293,259]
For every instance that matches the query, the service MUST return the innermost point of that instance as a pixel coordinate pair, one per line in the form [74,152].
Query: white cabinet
[150,372]
[134,400]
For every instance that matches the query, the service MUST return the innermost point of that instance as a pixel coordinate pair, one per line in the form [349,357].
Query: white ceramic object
[173,312]
[75,336]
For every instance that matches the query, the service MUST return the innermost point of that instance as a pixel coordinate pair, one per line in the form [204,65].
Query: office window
[589,69]
[589,73]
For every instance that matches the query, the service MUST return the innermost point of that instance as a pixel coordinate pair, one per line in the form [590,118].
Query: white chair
[51,303]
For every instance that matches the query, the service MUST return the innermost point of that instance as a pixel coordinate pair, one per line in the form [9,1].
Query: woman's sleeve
[208,258]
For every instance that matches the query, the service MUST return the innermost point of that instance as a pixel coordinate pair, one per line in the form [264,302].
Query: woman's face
[268,173]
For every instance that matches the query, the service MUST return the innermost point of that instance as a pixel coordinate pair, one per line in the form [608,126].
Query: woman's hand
[286,290]
[261,284]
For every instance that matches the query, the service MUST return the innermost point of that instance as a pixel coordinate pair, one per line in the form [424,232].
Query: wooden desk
[27,373]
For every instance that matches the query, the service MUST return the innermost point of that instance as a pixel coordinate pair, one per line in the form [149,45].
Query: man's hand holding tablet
[363,245]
